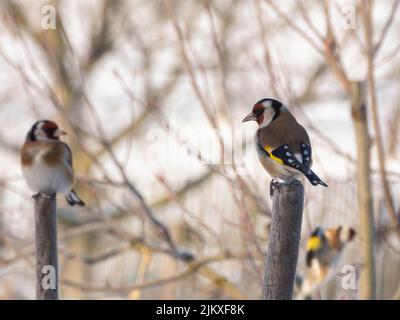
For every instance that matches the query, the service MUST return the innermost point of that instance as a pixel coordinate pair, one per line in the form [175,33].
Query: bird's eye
[48,130]
[258,112]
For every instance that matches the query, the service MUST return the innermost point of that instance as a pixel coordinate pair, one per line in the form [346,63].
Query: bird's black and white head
[44,130]
[265,111]
[318,232]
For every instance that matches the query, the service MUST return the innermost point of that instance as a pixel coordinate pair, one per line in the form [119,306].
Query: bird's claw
[44,195]
[272,186]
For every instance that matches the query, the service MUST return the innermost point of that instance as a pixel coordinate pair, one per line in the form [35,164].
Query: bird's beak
[60,132]
[250,117]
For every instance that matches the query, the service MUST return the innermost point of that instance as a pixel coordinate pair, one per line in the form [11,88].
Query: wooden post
[284,239]
[46,247]
[364,195]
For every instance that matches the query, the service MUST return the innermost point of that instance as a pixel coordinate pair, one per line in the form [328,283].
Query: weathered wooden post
[284,239]
[46,247]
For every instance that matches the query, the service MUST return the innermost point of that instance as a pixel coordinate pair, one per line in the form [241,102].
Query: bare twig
[366,14]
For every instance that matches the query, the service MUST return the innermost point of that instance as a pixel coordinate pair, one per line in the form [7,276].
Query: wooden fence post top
[284,239]
[40,198]
[288,186]
[46,246]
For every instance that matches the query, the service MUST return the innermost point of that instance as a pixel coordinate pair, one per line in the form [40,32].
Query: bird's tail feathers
[73,199]
[313,178]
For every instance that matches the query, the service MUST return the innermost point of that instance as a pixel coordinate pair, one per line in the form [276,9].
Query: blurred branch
[386,27]
[367,23]
[189,186]
[307,94]
[332,53]
[295,27]
[155,94]
[365,209]
[394,129]
[191,270]
[306,18]
[162,229]
[189,67]
[102,41]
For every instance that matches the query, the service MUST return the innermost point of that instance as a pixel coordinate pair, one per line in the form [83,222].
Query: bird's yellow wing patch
[269,150]
[313,243]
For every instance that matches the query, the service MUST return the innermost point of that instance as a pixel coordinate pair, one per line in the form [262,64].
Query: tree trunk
[359,115]
[284,238]
[46,247]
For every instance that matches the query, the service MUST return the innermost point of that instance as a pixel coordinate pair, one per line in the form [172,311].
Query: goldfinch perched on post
[283,145]
[323,251]
[47,162]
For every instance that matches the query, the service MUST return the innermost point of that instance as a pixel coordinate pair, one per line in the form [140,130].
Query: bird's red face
[45,130]
[257,114]
[265,111]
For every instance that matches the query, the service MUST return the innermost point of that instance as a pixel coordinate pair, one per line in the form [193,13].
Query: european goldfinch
[47,162]
[282,144]
[323,251]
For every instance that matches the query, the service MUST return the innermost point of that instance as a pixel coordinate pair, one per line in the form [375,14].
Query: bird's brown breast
[26,157]
[333,238]
[52,153]
[29,151]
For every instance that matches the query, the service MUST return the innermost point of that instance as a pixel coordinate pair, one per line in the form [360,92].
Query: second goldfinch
[283,145]
[47,162]
[324,248]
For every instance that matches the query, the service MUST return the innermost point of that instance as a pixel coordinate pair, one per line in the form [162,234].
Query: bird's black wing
[286,155]
[68,153]
[305,150]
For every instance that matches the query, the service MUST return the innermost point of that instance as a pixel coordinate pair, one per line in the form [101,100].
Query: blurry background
[152,94]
